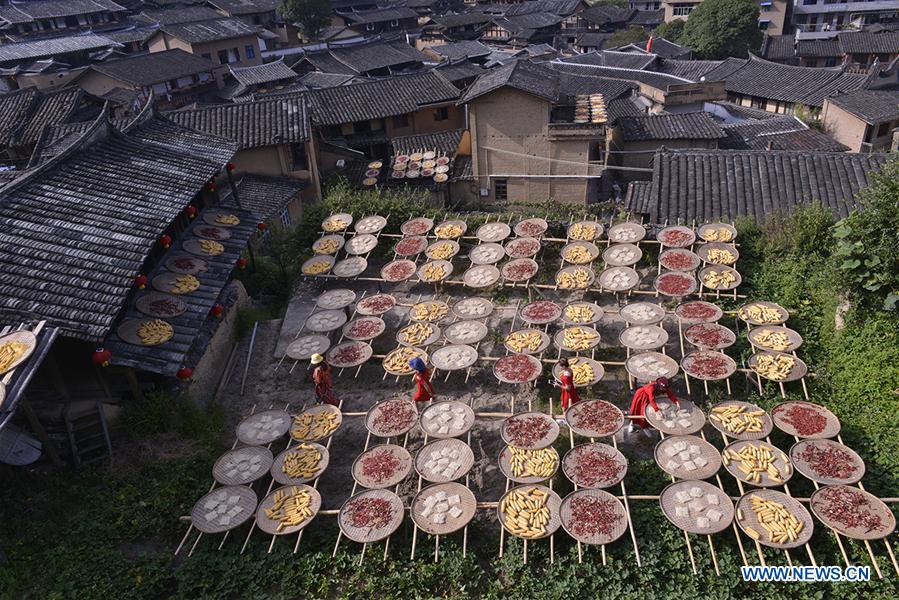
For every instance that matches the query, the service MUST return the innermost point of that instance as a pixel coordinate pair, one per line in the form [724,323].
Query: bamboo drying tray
[668,502]
[270,526]
[598,538]
[253,432]
[403,470]
[258,456]
[367,535]
[706,451]
[573,456]
[245,501]
[744,506]
[613,426]
[467,504]
[466,460]
[277,469]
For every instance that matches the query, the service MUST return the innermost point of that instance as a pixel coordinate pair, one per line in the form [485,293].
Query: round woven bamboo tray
[704,450]
[643,337]
[688,278]
[242,465]
[719,336]
[454,357]
[434,451]
[465,332]
[657,420]
[326,320]
[689,365]
[649,366]
[669,502]
[596,367]
[270,526]
[559,338]
[411,246]
[641,313]
[317,410]
[263,428]
[706,231]
[165,283]
[807,467]
[619,279]
[781,462]
[127,331]
[522,247]
[211,217]
[624,233]
[185,264]
[798,371]
[767,423]
[505,466]
[870,508]
[599,537]
[573,271]
[665,236]
[402,471]
[569,311]
[780,320]
[361,244]
[439,245]
[703,252]
[795,340]
[622,255]
[21,337]
[364,353]
[612,422]
[535,368]
[432,337]
[367,535]
[467,504]
[548,312]
[331,223]
[369,225]
[544,342]
[590,248]
[317,245]
[411,353]
[233,506]
[315,260]
[481,276]
[744,506]
[493,232]
[417,226]
[528,265]
[336,299]
[530,444]
[277,469]
[152,305]
[738,279]
[697,311]
[473,308]
[304,347]
[386,430]
[434,311]
[445,265]
[350,267]
[585,237]
[553,503]
[430,419]
[486,254]
[440,233]
[364,336]
[782,418]
[211,232]
[195,246]
[533,227]
[577,454]
[668,257]
[375,305]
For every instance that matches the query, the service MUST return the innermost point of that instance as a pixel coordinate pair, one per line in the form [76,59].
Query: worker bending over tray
[647,395]
[424,391]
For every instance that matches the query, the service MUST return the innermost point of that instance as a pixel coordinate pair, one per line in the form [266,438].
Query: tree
[632,35]
[312,15]
[671,31]
[719,29]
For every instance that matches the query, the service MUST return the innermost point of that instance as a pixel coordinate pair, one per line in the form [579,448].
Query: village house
[59,17]
[272,76]
[830,15]
[452,27]
[776,132]
[50,63]
[373,57]
[379,20]
[856,48]
[522,30]
[261,13]
[863,120]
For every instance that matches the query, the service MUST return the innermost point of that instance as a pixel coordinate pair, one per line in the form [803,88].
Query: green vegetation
[671,31]
[721,28]
[311,15]
[632,35]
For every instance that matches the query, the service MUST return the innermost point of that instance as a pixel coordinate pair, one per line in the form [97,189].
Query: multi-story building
[772,13]
[55,17]
[826,15]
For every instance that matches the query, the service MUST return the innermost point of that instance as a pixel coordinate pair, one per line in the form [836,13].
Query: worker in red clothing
[647,395]
[424,391]
[321,377]
[566,380]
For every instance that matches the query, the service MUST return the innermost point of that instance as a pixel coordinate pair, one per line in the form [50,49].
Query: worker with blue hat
[424,391]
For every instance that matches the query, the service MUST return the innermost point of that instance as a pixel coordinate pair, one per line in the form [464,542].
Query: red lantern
[261,226]
[184,373]
[101,356]
[190,211]
[242,263]
[217,310]
[165,241]
[231,166]
[140,281]
[210,185]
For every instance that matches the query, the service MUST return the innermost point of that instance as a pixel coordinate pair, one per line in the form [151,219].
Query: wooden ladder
[87,431]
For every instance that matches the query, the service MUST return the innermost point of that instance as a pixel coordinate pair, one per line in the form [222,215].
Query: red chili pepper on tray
[395,415]
[526,431]
[591,515]
[380,466]
[805,419]
[369,512]
[593,466]
[829,461]
[848,507]
[596,416]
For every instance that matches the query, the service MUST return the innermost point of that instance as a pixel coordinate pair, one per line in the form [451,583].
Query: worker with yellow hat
[321,376]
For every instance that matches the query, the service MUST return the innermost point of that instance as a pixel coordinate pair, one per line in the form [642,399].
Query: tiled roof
[126,36]
[622,60]
[778,47]
[264,73]
[465,48]
[648,17]
[245,7]
[844,82]
[210,31]
[23,51]
[525,76]
[25,113]
[693,70]
[250,124]
[779,133]
[869,42]
[379,15]
[618,108]
[48,9]
[147,69]
[681,126]
[444,142]
[606,14]
[592,39]
[453,20]
[459,70]
[704,185]
[659,81]
[869,105]
[315,80]
[638,199]
[264,196]
[745,112]
[558,7]
[183,14]
[528,21]
[362,58]
[14,110]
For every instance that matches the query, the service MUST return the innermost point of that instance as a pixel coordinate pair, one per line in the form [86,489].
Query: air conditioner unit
[484,191]
[340,164]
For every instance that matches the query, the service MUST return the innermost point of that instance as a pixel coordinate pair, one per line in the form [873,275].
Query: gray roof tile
[250,124]
[147,69]
[869,105]
[682,126]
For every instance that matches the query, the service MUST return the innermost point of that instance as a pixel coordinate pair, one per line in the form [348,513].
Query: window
[285,217]
[298,156]
[362,127]
[763,25]
[369,26]
[683,10]
[441,114]
[250,51]
[207,56]
[394,23]
[809,2]
[223,57]
[830,62]
[400,121]
[501,189]
[883,129]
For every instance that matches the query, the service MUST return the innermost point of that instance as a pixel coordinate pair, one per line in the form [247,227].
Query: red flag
[649,43]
